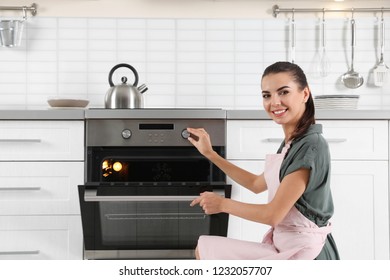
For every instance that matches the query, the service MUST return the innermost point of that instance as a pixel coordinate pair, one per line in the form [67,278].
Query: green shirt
[311,151]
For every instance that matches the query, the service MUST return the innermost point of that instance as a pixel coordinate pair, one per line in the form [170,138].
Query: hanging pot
[11,32]
[124,96]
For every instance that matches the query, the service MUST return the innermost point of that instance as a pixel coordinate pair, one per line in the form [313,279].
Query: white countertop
[320,115]
[81,114]
[49,114]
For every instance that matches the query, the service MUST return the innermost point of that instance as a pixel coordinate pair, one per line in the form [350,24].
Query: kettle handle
[119,66]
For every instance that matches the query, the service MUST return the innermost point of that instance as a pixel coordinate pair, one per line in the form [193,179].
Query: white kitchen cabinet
[39,188]
[356,140]
[41,140]
[41,164]
[359,180]
[252,139]
[247,144]
[40,237]
[361,218]
[241,228]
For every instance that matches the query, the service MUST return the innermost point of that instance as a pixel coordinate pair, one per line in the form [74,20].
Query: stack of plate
[340,101]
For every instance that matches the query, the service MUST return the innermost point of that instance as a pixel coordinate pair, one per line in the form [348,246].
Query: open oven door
[146,220]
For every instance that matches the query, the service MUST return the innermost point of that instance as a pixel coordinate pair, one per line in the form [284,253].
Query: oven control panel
[150,132]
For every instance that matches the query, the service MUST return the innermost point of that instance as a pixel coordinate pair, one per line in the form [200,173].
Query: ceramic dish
[67,103]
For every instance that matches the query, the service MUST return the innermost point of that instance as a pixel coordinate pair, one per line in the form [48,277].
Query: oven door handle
[91,196]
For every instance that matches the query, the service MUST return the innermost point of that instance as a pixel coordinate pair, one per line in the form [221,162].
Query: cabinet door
[41,140]
[241,228]
[361,218]
[40,188]
[41,238]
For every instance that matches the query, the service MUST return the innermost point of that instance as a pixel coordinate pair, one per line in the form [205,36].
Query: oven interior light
[106,167]
[117,166]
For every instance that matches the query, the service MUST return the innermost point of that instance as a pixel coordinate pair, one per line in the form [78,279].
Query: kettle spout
[142,88]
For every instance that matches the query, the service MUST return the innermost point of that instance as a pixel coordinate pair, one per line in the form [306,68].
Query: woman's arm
[254,183]
[289,191]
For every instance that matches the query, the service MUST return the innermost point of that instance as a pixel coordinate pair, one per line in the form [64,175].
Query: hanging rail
[32,8]
[276,10]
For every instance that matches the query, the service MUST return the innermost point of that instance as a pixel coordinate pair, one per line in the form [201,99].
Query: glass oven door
[149,218]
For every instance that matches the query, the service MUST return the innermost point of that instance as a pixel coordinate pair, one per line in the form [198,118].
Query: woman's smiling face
[283,99]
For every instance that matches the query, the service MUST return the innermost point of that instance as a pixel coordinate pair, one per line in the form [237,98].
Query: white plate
[338,96]
[336,103]
[67,103]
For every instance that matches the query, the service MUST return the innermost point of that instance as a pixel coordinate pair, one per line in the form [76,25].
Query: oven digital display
[156,126]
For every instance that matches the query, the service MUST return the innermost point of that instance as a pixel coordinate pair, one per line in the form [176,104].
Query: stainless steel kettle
[124,96]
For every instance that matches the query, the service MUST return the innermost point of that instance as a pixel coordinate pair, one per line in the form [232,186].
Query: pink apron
[296,237]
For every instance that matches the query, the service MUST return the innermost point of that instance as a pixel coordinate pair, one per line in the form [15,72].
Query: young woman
[297,179]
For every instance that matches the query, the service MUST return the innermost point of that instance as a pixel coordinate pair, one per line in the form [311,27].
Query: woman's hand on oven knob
[210,202]
[126,133]
[201,140]
[185,134]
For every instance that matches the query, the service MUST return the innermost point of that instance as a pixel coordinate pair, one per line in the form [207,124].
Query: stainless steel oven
[141,175]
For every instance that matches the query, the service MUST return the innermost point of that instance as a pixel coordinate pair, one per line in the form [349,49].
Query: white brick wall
[184,62]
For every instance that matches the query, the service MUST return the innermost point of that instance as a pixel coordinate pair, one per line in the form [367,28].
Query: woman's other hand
[203,143]
[211,203]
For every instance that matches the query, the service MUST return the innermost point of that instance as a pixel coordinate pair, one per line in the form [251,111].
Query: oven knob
[126,133]
[185,134]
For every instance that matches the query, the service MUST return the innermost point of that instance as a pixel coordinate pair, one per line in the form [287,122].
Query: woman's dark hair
[299,77]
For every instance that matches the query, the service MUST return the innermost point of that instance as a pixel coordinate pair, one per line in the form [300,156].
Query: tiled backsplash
[184,62]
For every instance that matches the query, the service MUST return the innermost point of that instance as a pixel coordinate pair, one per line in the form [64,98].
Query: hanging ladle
[352,79]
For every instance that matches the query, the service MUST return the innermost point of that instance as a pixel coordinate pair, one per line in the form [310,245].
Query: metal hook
[24,12]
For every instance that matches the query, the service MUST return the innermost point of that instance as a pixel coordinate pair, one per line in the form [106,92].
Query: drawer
[41,140]
[37,188]
[347,139]
[41,238]
[252,139]
[357,139]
